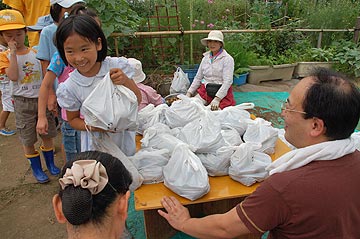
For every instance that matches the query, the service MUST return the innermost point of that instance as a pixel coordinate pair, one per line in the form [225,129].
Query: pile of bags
[183,143]
[186,142]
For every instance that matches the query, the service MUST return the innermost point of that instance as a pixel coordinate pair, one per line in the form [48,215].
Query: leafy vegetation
[347,58]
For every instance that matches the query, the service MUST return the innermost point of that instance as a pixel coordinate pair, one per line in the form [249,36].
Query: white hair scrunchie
[89,174]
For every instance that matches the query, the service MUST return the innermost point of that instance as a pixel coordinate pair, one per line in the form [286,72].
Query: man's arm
[227,225]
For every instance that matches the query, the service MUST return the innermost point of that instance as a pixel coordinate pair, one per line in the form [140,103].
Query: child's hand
[117,76]
[12,46]
[42,125]
[52,104]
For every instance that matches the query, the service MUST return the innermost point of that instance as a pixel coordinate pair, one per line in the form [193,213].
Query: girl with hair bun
[93,196]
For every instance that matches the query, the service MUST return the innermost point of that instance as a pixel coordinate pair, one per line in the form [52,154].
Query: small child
[57,68]
[148,94]
[6,100]
[22,68]
[82,44]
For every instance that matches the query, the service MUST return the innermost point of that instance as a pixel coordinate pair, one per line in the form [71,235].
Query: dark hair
[335,100]
[86,27]
[56,8]
[79,205]
[55,11]
[83,10]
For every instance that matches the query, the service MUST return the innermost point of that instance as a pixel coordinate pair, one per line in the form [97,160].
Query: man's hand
[176,214]
[215,103]
[188,94]
[118,77]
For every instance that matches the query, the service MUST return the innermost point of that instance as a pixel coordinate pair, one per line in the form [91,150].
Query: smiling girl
[82,44]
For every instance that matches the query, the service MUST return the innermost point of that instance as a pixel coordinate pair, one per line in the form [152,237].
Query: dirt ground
[25,206]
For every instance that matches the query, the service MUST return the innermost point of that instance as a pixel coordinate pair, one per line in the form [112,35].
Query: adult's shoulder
[226,54]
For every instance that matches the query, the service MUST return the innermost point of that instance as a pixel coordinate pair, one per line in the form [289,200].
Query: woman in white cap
[148,94]
[212,83]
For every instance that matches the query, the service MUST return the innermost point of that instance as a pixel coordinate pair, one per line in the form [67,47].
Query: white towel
[328,150]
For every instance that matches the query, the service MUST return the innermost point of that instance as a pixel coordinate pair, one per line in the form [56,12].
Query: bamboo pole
[357,28]
[155,33]
[191,36]
[319,40]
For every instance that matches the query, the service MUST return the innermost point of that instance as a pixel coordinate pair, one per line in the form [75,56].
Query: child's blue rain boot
[49,159]
[37,171]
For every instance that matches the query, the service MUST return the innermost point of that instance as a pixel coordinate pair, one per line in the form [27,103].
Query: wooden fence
[320,32]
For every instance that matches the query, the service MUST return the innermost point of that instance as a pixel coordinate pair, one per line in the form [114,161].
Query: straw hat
[11,20]
[42,22]
[214,36]
[139,74]
[65,3]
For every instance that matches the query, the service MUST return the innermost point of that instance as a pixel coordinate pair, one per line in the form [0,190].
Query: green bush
[347,58]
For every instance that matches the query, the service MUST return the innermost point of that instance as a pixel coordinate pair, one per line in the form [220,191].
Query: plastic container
[240,80]
[190,70]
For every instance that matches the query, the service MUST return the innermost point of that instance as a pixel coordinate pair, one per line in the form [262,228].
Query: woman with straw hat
[212,83]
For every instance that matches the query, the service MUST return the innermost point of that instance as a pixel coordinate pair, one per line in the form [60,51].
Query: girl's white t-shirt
[72,93]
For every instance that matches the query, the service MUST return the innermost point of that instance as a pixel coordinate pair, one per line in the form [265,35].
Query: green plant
[320,54]
[115,15]
[242,56]
[347,58]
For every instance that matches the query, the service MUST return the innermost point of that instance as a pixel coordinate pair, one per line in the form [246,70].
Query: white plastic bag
[185,174]
[180,82]
[183,111]
[104,143]
[217,164]
[150,163]
[111,107]
[235,116]
[261,131]
[248,166]
[150,115]
[204,133]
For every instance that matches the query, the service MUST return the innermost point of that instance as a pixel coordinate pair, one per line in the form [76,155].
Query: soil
[25,206]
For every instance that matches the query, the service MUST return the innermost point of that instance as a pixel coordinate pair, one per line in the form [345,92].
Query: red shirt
[318,200]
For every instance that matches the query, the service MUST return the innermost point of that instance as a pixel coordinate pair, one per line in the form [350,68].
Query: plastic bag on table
[218,163]
[261,131]
[204,133]
[105,144]
[185,175]
[247,166]
[235,116]
[150,163]
[150,115]
[183,111]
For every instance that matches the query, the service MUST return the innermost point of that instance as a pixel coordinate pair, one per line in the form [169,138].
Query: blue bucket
[240,80]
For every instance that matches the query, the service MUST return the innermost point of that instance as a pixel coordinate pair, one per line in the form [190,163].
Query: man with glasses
[311,191]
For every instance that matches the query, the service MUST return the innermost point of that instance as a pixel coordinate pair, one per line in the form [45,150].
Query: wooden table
[224,194]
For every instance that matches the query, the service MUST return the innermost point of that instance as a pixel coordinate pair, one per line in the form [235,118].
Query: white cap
[139,75]
[65,3]
[214,36]
[42,22]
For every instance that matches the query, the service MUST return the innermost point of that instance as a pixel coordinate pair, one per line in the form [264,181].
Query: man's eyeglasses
[285,108]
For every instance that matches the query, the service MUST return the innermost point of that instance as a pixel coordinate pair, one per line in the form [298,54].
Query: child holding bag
[82,44]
